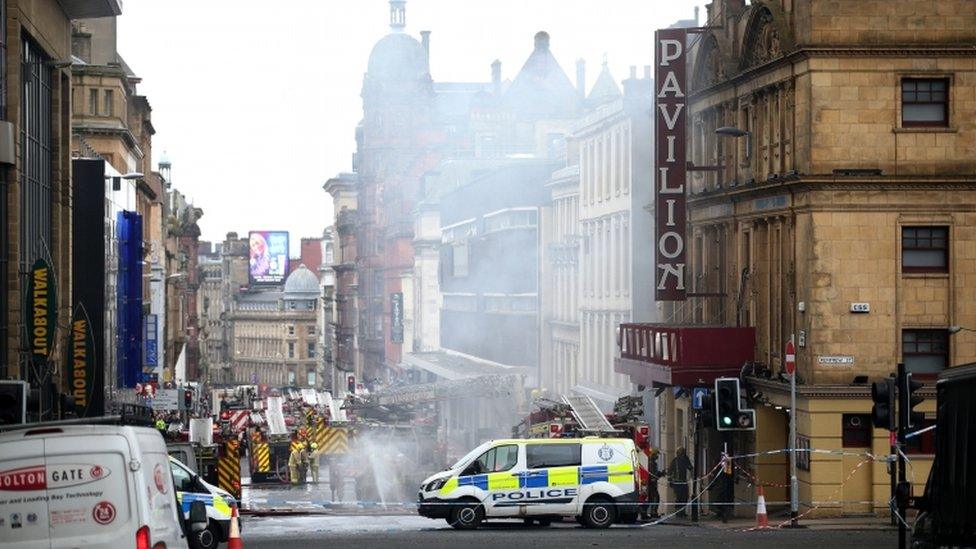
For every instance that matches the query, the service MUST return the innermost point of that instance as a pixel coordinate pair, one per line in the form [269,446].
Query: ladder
[589,417]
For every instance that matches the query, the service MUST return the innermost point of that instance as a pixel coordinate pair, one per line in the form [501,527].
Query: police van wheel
[467,515]
[598,513]
[208,538]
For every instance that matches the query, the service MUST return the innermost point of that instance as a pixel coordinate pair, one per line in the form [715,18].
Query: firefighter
[161,427]
[313,457]
[336,479]
[297,464]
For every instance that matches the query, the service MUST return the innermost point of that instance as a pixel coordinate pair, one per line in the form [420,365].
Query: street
[363,531]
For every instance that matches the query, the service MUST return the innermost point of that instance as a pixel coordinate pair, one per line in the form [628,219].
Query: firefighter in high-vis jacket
[314,455]
[298,464]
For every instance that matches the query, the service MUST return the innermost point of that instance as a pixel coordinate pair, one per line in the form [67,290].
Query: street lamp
[956,329]
[117,179]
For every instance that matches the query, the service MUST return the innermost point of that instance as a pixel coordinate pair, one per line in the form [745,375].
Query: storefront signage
[151,351]
[42,307]
[835,360]
[669,186]
[81,360]
[396,314]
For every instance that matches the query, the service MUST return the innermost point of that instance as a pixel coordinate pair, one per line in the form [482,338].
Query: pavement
[411,531]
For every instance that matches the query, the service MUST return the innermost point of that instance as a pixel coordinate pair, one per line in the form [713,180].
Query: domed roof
[301,284]
[397,56]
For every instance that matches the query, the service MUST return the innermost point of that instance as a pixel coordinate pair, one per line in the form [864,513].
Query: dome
[397,56]
[302,284]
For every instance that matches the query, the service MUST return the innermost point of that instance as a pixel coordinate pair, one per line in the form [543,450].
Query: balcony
[85,9]
[656,354]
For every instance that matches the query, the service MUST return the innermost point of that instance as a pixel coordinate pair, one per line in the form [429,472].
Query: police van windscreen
[470,456]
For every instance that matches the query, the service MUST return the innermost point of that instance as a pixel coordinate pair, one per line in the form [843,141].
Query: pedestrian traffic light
[13,402]
[729,413]
[883,411]
[910,400]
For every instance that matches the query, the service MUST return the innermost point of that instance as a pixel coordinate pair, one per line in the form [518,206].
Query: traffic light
[883,411]
[729,414]
[188,399]
[910,400]
[13,402]
[351,384]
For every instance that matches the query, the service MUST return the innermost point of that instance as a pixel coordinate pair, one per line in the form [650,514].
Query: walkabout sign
[41,310]
[669,180]
[85,385]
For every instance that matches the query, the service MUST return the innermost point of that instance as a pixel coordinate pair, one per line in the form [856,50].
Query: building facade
[841,219]
[275,334]
[343,316]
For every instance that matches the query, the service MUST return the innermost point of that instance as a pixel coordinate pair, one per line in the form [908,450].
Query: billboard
[669,188]
[268,253]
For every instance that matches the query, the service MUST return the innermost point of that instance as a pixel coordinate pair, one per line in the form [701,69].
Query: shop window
[925,352]
[925,249]
[856,430]
[291,379]
[924,102]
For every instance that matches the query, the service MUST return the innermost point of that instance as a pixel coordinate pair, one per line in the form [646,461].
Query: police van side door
[550,483]
[491,476]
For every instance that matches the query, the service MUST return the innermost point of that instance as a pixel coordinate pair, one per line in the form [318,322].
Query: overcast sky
[256,102]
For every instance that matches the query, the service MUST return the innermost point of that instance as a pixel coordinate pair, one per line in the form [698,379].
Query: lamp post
[732,131]
[955,329]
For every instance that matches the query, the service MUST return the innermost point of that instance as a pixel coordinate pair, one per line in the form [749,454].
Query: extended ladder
[589,417]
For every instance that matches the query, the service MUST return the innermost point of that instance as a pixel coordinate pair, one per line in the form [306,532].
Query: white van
[189,488]
[93,486]
[592,479]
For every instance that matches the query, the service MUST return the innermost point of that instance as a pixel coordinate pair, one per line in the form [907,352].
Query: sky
[256,102]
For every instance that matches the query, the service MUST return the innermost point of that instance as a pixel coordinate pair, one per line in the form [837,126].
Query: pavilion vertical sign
[670,113]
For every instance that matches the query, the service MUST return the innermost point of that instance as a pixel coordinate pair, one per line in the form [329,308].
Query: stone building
[842,218]
[275,334]
[35,112]
[343,317]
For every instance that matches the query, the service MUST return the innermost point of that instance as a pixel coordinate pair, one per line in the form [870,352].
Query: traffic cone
[234,538]
[762,521]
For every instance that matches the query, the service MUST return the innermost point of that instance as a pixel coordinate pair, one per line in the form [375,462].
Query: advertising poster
[268,254]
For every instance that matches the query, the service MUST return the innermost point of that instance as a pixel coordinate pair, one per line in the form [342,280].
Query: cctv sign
[669,179]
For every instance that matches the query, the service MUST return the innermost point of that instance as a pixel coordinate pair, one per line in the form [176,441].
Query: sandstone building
[844,218]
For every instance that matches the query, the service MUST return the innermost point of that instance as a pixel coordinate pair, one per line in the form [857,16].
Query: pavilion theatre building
[836,207]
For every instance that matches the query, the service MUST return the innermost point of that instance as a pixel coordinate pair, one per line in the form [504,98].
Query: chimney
[425,42]
[633,72]
[496,77]
[581,77]
[696,15]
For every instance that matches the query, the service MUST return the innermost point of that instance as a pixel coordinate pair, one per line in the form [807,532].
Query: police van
[542,480]
[189,488]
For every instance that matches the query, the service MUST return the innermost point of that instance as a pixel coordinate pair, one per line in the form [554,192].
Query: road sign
[790,358]
[167,400]
[698,395]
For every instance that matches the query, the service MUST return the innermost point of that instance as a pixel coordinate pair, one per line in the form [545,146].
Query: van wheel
[467,515]
[598,512]
[545,522]
[208,538]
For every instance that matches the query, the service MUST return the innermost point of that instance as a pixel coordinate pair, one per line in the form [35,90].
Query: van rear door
[23,495]
[92,493]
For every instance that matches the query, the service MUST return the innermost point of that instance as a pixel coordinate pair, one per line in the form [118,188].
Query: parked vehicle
[190,487]
[947,515]
[82,485]
[592,479]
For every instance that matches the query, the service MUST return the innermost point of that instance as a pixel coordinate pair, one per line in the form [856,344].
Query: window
[291,378]
[291,330]
[925,249]
[925,351]
[496,460]
[109,96]
[310,377]
[181,477]
[539,456]
[291,349]
[856,430]
[93,102]
[311,329]
[924,102]
[311,350]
